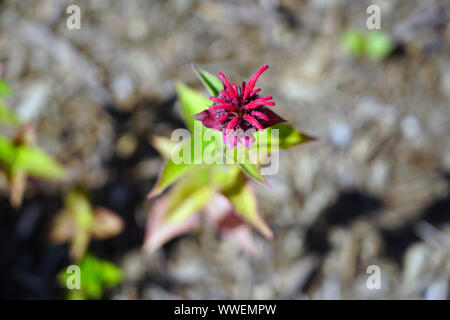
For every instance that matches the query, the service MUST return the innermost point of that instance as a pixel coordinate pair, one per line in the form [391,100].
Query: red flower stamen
[227,85]
[253,121]
[253,92]
[232,123]
[258,102]
[253,79]
[228,107]
[260,115]
[223,118]
[217,100]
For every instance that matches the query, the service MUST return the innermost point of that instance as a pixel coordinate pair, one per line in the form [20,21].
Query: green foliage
[243,199]
[38,163]
[95,276]
[192,102]
[197,181]
[288,137]
[210,81]
[190,195]
[5,89]
[378,45]
[375,45]
[32,160]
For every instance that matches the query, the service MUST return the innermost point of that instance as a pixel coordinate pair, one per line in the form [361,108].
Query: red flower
[240,111]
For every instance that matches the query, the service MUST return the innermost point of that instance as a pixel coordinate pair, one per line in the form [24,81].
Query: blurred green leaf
[210,81]
[378,45]
[170,173]
[192,102]
[7,151]
[7,116]
[5,89]
[112,275]
[241,157]
[287,137]
[190,195]
[95,274]
[243,199]
[37,163]
[79,206]
[353,42]
[163,145]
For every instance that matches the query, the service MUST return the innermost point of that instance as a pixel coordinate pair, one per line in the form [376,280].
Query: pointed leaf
[163,145]
[242,196]
[286,138]
[159,231]
[37,163]
[210,81]
[189,154]
[192,102]
[241,157]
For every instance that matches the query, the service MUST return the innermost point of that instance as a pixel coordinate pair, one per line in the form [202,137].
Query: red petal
[227,106]
[227,85]
[260,115]
[253,79]
[233,123]
[253,121]
[223,118]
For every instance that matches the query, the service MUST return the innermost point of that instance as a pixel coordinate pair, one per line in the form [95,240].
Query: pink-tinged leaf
[243,199]
[106,224]
[63,227]
[230,226]
[159,230]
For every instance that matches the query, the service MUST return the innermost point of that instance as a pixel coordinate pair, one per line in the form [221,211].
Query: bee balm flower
[240,111]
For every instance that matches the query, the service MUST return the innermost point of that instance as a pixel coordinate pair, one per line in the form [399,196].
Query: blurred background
[372,190]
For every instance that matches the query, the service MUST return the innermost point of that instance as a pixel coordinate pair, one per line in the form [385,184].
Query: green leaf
[241,157]
[7,116]
[353,42]
[190,195]
[192,102]
[187,156]
[95,274]
[210,81]
[7,151]
[163,145]
[378,45]
[243,198]
[111,274]
[80,208]
[176,168]
[286,138]
[37,163]
[5,89]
